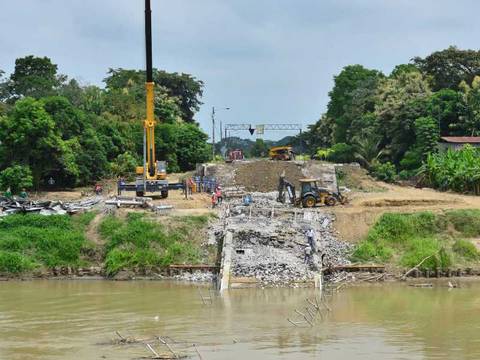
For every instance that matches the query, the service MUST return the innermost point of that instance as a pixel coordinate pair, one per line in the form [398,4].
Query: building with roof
[458,142]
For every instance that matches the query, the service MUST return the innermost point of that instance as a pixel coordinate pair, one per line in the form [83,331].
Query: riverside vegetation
[404,240]
[30,243]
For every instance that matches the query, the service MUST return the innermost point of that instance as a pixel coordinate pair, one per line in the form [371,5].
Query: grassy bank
[404,240]
[33,243]
[29,242]
[143,244]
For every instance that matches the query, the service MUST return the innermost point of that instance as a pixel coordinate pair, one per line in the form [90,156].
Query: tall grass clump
[466,249]
[467,222]
[30,241]
[411,237]
[142,244]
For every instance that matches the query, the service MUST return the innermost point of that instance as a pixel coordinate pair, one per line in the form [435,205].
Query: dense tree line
[53,127]
[397,119]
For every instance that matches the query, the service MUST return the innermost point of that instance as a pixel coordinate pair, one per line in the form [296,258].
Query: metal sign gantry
[253,128]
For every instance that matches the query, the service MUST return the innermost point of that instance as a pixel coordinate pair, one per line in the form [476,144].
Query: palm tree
[368,150]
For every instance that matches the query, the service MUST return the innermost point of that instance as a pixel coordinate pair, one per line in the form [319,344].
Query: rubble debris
[45,207]
[269,241]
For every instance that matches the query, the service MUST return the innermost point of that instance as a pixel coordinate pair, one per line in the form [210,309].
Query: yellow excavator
[152,176]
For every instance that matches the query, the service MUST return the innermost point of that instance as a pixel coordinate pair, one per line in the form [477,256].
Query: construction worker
[23,194]
[98,189]
[8,193]
[218,194]
[311,239]
[308,254]
[214,200]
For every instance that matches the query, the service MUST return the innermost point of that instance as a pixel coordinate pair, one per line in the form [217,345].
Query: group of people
[9,195]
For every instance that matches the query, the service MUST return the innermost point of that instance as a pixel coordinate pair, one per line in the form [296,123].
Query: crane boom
[149,123]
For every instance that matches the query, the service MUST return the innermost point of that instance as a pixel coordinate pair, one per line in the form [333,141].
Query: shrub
[342,153]
[372,251]
[124,165]
[16,177]
[421,248]
[466,249]
[385,172]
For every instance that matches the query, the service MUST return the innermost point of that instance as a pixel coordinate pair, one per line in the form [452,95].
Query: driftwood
[198,352]
[416,266]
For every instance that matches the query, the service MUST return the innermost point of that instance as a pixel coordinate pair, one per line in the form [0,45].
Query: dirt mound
[263,176]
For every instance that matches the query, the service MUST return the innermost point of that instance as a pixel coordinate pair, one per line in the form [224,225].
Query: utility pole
[213,129]
[213,132]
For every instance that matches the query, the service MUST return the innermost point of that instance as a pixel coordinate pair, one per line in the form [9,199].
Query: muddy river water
[77,319]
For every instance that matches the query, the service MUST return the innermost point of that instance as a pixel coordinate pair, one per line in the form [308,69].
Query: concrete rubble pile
[45,207]
[269,241]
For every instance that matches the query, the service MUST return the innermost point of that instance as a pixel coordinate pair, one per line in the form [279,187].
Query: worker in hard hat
[23,194]
[8,193]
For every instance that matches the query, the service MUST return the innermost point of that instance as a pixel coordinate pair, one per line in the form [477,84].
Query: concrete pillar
[226,261]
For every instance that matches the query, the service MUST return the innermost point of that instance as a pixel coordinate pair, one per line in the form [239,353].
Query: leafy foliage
[453,170]
[79,134]
[385,172]
[341,153]
[449,67]
[399,118]
[16,178]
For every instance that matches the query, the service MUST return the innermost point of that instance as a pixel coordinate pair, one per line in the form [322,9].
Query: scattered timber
[45,207]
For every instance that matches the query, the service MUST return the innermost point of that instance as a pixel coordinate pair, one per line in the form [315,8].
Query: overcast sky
[271,61]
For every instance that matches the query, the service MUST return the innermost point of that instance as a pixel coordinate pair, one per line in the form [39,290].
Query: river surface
[77,320]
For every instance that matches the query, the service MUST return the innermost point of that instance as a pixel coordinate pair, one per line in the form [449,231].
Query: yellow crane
[152,176]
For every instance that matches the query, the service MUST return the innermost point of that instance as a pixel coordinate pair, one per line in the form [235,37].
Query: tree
[368,150]
[470,122]
[259,149]
[342,153]
[449,67]
[126,93]
[319,135]
[34,77]
[427,135]
[400,101]
[345,83]
[185,87]
[402,69]
[448,108]
[69,120]
[124,165]
[192,147]
[29,137]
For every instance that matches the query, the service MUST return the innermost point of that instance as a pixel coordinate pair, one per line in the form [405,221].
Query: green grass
[31,241]
[466,249]
[467,222]
[406,239]
[142,244]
